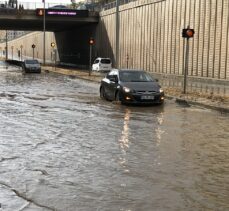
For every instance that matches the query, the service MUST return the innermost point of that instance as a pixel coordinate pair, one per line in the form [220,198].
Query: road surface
[63,148]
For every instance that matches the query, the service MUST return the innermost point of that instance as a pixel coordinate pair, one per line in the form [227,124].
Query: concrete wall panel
[150,34]
[150,38]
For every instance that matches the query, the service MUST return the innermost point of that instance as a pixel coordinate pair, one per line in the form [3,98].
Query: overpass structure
[71,28]
[55,19]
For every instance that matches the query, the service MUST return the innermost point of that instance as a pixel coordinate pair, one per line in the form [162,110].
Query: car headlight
[161,90]
[126,89]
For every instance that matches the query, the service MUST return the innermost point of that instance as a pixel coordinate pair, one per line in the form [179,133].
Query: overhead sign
[62,12]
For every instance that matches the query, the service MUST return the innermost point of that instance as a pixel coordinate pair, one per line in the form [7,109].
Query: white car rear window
[105,61]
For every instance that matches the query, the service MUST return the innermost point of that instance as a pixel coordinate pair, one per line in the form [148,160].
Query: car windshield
[31,61]
[105,61]
[135,76]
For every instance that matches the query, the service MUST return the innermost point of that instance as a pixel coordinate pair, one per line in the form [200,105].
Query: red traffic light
[91,41]
[188,33]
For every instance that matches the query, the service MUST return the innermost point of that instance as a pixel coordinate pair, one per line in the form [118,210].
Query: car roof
[31,60]
[128,70]
[103,58]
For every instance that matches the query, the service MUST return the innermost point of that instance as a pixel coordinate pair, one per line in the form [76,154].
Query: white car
[102,64]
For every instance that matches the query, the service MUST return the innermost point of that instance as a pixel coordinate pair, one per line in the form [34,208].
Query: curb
[201,104]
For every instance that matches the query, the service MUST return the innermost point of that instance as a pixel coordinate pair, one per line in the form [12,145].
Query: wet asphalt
[63,148]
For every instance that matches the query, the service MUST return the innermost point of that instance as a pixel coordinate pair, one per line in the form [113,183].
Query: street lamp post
[44,34]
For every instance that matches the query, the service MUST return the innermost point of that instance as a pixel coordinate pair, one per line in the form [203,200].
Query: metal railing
[113,4]
[35,5]
[28,5]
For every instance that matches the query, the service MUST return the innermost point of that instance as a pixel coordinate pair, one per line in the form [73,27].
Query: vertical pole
[44,35]
[21,52]
[186,65]
[117,35]
[127,61]
[55,52]
[12,47]
[33,53]
[6,45]
[90,59]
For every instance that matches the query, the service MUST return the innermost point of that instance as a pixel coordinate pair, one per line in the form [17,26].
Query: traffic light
[188,33]
[91,41]
[53,44]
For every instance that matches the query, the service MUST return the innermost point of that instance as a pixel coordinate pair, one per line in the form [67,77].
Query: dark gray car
[31,66]
[131,87]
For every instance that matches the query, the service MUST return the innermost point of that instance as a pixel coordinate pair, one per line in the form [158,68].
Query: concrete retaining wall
[24,45]
[150,36]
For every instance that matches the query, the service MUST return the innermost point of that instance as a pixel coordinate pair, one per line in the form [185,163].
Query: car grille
[146,92]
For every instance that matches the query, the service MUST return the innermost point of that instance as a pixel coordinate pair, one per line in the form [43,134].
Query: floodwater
[64,149]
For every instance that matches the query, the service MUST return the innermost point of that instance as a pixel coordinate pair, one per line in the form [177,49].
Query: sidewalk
[213,95]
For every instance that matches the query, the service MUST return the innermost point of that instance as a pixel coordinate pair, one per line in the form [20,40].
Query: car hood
[146,86]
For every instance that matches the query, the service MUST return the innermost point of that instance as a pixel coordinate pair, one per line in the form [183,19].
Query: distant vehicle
[90,7]
[6,6]
[131,87]
[102,64]
[59,7]
[31,66]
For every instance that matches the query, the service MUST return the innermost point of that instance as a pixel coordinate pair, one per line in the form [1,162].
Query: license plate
[147,97]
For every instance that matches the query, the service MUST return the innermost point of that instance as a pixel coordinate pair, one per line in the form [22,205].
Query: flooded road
[64,149]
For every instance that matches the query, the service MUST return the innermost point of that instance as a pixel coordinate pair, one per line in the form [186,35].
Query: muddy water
[64,149]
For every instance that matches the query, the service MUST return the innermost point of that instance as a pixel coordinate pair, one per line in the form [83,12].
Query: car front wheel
[102,93]
[117,96]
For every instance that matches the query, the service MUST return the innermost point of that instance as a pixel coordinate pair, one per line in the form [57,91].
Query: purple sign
[62,12]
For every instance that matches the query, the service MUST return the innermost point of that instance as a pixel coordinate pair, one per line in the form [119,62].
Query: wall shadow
[73,46]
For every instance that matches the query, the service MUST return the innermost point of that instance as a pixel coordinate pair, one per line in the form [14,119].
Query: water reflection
[158,130]
[124,140]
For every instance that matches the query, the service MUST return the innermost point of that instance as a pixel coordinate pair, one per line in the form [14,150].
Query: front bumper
[132,98]
[32,70]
